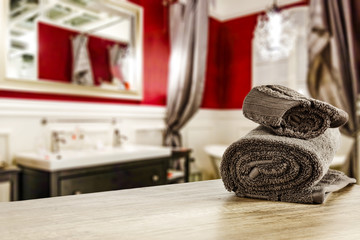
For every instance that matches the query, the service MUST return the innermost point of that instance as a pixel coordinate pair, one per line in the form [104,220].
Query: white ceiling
[228,9]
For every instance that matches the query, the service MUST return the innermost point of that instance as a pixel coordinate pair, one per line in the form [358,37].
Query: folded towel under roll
[267,166]
[289,113]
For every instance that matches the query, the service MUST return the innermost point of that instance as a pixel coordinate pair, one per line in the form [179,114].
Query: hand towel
[289,113]
[119,65]
[267,166]
[82,71]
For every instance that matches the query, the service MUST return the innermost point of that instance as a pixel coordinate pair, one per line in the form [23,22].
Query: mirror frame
[68,88]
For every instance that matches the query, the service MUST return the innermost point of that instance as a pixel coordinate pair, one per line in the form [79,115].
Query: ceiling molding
[225,10]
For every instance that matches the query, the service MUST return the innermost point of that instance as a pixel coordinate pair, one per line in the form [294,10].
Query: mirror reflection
[81,42]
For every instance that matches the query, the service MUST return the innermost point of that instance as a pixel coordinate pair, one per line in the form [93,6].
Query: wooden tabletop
[202,210]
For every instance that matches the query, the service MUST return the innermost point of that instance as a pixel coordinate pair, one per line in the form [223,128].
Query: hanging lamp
[274,34]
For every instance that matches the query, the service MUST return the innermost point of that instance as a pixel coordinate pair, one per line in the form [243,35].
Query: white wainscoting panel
[149,136]
[24,119]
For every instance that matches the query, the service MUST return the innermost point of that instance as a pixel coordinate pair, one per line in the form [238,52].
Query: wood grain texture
[201,210]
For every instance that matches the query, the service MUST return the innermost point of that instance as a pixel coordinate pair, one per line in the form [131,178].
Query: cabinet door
[143,176]
[113,180]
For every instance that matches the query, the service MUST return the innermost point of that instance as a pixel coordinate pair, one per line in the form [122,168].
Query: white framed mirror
[72,47]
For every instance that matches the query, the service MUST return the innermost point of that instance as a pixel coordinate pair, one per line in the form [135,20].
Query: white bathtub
[215,152]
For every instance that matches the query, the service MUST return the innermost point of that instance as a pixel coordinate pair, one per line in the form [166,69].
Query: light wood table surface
[202,210]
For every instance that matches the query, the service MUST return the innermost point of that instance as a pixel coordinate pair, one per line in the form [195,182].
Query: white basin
[215,153]
[216,150]
[68,159]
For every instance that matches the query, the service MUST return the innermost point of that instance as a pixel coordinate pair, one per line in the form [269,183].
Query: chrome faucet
[55,141]
[118,138]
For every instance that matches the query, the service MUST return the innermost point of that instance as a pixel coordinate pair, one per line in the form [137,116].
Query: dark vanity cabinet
[36,183]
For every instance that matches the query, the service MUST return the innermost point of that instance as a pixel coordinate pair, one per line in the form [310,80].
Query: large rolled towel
[267,166]
[289,113]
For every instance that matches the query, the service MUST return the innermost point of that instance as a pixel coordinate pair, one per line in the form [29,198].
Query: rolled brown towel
[267,166]
[289,113]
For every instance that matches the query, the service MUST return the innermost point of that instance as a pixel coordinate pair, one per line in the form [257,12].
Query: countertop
[71,159]
[201,210]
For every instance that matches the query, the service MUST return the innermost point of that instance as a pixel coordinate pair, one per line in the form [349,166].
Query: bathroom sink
[68,159]
[215,150]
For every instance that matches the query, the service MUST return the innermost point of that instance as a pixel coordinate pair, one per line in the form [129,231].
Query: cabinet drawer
[113,180]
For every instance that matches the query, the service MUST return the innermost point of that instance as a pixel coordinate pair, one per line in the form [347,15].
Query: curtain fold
[333,74]
[188,41]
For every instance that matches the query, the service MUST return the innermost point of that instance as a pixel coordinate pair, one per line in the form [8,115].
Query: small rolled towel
[289,113]
[267,166]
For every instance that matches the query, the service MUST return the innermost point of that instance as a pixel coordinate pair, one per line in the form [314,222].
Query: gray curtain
[333,73]
[188,40]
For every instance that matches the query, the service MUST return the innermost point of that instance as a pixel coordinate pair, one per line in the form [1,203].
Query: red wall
[228,78]
[213,92]
[156,52]
[230,61]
